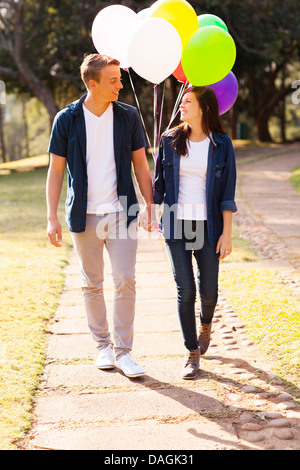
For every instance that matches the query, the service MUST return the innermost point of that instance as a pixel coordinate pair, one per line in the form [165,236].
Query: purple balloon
[226,91]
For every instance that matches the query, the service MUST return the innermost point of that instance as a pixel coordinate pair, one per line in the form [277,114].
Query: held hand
[224,246]
[54,233]
[147,219]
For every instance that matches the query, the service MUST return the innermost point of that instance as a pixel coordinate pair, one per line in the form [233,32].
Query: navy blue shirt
[68,140]
[220,184]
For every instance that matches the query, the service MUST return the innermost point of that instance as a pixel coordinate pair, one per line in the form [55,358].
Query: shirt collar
[215,138]
[76,106]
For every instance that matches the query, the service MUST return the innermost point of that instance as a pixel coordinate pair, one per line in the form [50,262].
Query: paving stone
[254,436]
[286,434]
[246,417]
[272,415]
[251,427]
[279,423]
[172,437]
[284,397]
[286,405]
[249,389]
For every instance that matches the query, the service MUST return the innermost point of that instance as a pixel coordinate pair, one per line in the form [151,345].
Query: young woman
[195,177]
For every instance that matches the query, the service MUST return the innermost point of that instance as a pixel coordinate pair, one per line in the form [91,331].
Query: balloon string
[161,112]
[175,110]
[154,119]
[139,109]
[157,124]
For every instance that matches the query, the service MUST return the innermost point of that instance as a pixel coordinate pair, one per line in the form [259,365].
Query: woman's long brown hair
[210,119]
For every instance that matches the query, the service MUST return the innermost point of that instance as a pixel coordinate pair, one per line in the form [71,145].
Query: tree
[42,45]
[14,41]
[2,143]
[267,35]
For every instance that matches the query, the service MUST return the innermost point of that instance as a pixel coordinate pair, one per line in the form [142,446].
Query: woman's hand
[147,219]
[224,245]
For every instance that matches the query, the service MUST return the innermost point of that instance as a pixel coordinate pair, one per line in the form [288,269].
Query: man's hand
[147,219]
[54,232]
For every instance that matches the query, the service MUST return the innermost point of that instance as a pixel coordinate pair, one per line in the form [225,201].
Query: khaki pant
[121,243]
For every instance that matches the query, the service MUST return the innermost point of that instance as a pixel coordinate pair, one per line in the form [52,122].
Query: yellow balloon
[180,14]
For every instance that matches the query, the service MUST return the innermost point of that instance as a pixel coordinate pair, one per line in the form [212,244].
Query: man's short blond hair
[91,66]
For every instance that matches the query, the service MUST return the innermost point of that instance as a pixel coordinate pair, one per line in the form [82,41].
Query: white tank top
[192,182]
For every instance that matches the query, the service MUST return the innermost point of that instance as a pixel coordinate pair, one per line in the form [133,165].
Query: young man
[98,138]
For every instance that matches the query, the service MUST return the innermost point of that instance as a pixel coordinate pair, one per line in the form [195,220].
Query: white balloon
[154,49]
[142,15]
[111,30]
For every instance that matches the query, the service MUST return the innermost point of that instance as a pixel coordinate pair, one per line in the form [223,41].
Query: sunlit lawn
[272,315]
[269,309]
[295,178]
[31,278]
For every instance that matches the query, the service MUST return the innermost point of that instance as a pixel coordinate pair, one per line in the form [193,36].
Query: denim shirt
[220,184]
[68,140]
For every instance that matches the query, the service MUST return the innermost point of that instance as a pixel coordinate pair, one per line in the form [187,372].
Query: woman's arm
[143,177]
[224,245]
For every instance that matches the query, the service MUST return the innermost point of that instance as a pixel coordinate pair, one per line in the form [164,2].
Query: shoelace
[129,361]
[191,357]
[205,330]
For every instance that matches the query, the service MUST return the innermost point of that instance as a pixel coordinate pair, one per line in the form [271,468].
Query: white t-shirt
[101,168]
[192,182]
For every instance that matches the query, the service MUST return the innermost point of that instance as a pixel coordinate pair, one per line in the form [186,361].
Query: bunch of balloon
[150,45]
[208,58]
[168,38]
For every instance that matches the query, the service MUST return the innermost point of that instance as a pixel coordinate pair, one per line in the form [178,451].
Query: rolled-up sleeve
[227,202]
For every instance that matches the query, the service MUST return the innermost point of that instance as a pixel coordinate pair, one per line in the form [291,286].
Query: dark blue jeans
[180,253]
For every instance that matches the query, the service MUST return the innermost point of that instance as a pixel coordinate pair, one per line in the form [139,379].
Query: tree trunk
[27,151]
[2,143]
[33,82]
[262,127]
[37,87]
[282,109]
[282,121]
[233,119]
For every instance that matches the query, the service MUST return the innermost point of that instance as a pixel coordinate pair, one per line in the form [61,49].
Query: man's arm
[143,177]
[53,190]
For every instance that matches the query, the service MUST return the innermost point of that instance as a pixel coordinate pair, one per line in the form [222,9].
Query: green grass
[295,178]
[272,316]
[31,279]
[269,309]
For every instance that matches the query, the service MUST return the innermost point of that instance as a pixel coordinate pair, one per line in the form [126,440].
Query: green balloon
[208,56]
[211,20]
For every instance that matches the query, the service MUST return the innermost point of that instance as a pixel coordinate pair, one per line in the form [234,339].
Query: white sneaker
[129,366]
[105,359]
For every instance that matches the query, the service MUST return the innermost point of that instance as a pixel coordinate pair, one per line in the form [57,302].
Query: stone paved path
[235,403]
